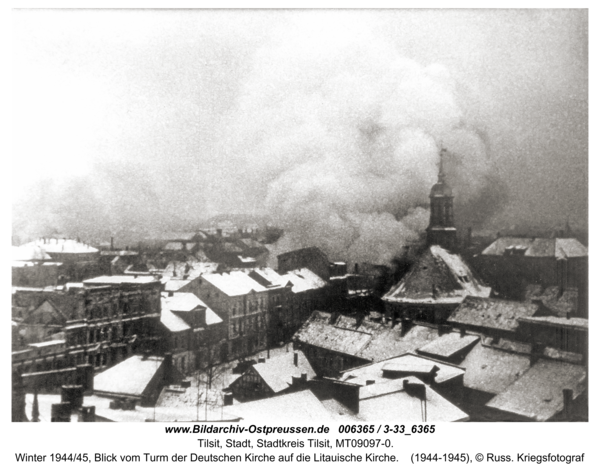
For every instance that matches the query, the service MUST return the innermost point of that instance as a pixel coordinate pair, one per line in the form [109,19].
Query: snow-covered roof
[437,277]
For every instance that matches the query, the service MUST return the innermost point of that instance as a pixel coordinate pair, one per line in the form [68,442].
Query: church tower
[441,230]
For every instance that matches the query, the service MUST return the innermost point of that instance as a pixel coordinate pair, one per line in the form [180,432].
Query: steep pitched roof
[171,321]
[497,314]
[368,340]
[538,394]
[388,342]
[538,247]
[346,341]
[437,277]
[186,302]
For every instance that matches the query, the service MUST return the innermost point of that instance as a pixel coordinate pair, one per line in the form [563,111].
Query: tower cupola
[441,230]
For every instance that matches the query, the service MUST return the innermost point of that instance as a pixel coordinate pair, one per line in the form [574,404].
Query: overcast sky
[164,116]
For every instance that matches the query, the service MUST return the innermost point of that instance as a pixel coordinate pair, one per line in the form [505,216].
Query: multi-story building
[243,304]
[293,296]
[188,330]
[512,264]
[103,320]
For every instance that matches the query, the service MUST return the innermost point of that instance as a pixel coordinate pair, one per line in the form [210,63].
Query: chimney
[73,395]
[170,293]
[417,390]
[87,414]
[85,377]
[228,399]
[569,313]
[348,395]
[112,243]
[431,377]
[355,268]
[567,404]
[35,410]
[304,377]
[261,359]
[60,412]
[168,368]
[406,324]
[370,381]
[295,359]
[537,350]
[296,381]
[463,332]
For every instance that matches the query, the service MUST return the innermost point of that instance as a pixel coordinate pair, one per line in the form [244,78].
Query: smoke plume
[326,123]
[344,138]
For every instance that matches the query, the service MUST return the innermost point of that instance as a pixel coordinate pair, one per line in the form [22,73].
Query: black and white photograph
[346,217]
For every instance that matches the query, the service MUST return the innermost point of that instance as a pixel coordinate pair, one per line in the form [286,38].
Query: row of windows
[251,306]
[145,305]
[247,324]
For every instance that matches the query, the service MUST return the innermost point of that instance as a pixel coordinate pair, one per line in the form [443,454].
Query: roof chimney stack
[228,399]
[295,359]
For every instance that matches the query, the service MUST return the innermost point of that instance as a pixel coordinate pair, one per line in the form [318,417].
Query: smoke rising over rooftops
[330,123]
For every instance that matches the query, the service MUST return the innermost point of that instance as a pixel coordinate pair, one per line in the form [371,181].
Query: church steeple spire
[441,175]
[441,230]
